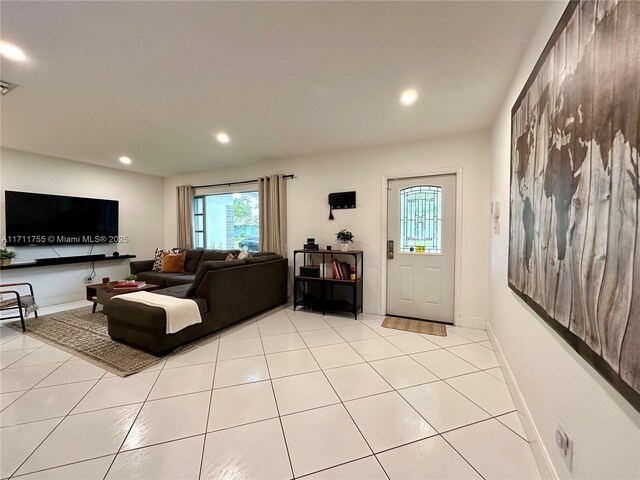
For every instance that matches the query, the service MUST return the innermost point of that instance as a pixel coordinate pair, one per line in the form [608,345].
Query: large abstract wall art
[574,248]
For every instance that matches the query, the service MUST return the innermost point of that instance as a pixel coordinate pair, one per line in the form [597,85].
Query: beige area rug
[417,326]
[84,334]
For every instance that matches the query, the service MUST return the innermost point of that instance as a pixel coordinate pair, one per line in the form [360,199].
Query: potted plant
[6,255]
[130,278]
[345,237]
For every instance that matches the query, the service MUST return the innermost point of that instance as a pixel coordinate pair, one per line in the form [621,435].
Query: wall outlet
[565,444]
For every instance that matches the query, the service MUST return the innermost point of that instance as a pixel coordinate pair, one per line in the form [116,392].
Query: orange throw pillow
[173,262]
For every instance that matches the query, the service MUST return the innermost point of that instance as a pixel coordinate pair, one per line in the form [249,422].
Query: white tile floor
[286,395]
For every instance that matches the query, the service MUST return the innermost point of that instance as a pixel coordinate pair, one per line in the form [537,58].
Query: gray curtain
[272,193]
[185,216]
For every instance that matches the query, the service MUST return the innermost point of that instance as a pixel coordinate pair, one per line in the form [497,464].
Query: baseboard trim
[540,453]
[373,309]
[471,322]
[51,300]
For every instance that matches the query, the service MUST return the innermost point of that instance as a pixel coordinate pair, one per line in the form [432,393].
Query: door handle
[390,249]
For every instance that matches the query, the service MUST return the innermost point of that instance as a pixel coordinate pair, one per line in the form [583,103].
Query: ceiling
[155,80]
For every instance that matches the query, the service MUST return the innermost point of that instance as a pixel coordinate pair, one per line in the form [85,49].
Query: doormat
[84,334]
[417,326]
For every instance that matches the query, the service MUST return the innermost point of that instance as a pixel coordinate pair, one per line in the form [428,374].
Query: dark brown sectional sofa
[225,292]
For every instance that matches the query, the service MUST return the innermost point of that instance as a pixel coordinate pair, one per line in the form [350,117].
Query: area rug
[84,334]
[417,326]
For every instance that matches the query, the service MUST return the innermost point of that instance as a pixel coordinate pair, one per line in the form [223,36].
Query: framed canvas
[574,248]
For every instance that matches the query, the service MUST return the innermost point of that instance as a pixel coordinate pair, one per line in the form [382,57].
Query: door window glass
[421,219]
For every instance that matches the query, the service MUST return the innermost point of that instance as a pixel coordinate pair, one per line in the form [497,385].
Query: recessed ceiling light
[409,96]
[10,51]
[125,160]
[222,137]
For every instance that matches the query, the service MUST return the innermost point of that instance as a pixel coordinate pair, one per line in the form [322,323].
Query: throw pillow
[173,262]
[230,257]
[244,254]
[157,258]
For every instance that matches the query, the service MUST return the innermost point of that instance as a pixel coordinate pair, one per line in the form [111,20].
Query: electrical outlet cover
[565,446]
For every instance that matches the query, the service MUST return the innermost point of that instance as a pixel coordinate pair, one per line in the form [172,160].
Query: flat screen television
[41,219]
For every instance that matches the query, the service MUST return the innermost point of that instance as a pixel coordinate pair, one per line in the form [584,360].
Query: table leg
[95,304]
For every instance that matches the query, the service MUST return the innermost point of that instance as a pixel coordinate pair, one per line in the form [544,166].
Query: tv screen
[40,219]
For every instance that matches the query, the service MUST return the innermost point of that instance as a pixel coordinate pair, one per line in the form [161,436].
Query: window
[421,219]
[227,221]
[198,221]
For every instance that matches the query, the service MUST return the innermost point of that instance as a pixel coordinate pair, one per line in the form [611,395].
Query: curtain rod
[228,184]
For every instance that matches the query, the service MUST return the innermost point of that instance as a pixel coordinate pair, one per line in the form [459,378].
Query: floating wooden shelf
[63,261]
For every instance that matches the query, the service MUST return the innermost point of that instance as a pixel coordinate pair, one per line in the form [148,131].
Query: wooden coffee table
[100,293]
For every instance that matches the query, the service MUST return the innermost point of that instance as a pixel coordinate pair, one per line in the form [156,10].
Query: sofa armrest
[141,266]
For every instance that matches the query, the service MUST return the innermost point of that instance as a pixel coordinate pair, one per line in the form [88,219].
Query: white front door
[421,248]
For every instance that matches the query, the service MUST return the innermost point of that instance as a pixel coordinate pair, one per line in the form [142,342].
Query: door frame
[457,171]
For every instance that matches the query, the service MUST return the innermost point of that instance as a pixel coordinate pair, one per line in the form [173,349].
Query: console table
[325,300]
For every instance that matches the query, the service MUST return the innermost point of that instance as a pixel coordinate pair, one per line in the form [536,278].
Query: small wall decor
[341,200]
[574,241]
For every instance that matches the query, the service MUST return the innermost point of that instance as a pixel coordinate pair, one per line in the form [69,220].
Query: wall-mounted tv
[41,219]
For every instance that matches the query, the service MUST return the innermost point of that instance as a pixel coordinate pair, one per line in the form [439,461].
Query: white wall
[141,219]
[556,383]
[362,171]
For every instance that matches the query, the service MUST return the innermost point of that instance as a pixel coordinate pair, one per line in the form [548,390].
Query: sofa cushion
[213,255]
[192,259]
[263,258]
[263,254]
[209,266]
[172,279]
[165,279]
[180,291]
[140,266]
[156,278]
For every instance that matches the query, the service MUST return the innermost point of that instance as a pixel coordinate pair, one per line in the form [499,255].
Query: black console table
[324,300]
[63,261]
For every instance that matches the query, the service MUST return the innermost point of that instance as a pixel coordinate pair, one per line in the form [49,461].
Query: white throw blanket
[181,312]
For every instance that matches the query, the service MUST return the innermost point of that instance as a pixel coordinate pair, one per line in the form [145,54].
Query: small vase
[5,261]
[344,247]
